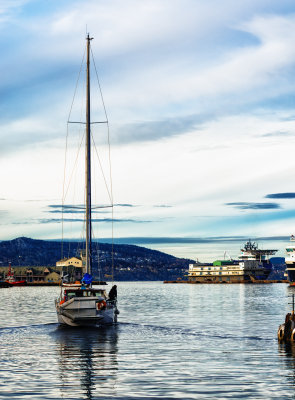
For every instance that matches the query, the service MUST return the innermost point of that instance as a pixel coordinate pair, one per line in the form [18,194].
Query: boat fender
[292,338]
[288,328]
[287,318]
[281,332]
[101,305]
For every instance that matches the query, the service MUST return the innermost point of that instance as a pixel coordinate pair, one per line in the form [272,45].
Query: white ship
[252,264]
[80,304]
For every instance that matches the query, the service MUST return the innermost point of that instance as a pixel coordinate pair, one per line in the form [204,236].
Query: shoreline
[230,283]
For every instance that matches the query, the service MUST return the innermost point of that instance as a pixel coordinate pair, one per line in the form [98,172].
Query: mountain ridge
[131,262]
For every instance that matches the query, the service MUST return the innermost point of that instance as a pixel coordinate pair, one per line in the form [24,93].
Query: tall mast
[88,165]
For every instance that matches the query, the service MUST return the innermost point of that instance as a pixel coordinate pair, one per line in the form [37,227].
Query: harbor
[253,265]
[248,282]
[215,326]
[147,200]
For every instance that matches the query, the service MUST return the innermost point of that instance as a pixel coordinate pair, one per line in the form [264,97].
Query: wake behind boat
[79,304]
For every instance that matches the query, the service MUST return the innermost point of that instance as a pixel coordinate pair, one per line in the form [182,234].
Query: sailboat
[80,304]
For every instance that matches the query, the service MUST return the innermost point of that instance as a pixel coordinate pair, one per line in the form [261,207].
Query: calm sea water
[172,341]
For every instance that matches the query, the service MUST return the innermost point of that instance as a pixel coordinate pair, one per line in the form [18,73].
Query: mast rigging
[88,165]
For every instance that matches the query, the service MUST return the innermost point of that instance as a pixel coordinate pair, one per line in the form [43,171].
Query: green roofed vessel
[252,264]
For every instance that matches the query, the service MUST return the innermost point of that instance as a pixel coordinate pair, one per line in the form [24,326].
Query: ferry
[252,264]
[290,261]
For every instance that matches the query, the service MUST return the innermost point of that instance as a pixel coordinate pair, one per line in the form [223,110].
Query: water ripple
[225,349]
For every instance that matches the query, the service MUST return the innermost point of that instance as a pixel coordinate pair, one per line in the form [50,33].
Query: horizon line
[166,239]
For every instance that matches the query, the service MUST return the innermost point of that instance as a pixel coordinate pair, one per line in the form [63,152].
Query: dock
[35,284]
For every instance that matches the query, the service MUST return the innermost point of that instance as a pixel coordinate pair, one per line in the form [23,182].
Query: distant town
[42,261]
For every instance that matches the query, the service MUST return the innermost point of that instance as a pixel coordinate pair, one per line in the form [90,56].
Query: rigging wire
[96,243]
[109,147]
[109,188]
[75,165]
[81,134]
[99,268]
[105,206]
[65,159]
[104,178]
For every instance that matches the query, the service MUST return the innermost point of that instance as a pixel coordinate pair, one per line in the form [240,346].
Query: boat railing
[112,303]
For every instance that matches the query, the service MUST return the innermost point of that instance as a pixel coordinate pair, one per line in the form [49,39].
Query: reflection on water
[287,351]
[172,342]
[87,358]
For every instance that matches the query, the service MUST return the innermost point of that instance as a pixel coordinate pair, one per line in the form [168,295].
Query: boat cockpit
[79,292]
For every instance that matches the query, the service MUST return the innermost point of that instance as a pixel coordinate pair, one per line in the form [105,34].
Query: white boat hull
[83,311]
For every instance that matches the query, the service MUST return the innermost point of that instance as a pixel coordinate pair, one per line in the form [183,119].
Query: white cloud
[201,74]
[251,73]
[7,6]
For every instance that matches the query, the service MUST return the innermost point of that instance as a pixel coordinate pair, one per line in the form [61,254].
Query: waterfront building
[72,261]
[32,274]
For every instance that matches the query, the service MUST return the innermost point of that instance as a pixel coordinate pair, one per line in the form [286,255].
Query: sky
[200,99]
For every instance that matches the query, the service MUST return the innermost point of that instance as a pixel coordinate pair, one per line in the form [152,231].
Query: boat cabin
[78,292]
[70,293]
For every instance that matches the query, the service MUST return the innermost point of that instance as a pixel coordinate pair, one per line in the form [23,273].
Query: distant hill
[130,262]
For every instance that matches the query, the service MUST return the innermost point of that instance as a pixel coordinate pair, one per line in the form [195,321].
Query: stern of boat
[86,312]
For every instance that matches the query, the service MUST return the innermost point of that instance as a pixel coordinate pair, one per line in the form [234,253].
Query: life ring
[100,305]
[281,332]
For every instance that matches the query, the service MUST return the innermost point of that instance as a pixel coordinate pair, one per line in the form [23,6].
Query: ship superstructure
[252,264]
[255,262]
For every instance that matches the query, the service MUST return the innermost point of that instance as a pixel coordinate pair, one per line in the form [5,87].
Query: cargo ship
[252,264]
